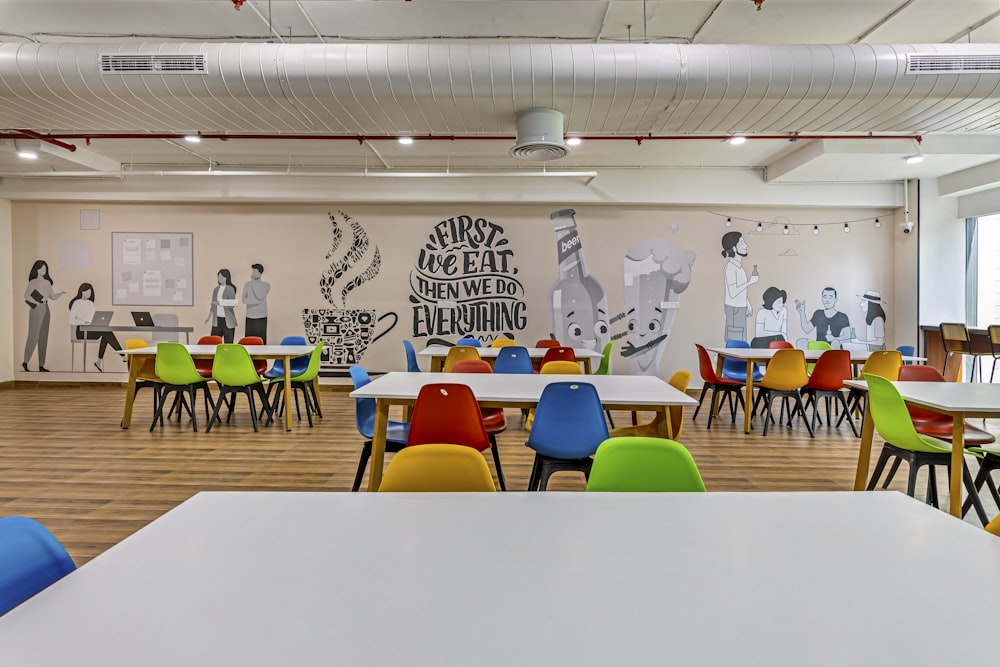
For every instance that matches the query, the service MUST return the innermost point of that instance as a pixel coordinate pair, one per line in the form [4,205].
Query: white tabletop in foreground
[301,579]
[613,389]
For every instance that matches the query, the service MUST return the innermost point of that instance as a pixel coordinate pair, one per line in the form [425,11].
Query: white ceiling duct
[539,136]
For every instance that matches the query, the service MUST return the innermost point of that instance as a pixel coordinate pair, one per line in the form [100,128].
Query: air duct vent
[934,63]
[179,63]
[539,136]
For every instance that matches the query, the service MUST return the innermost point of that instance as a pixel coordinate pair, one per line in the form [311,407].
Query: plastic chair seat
[942,430]
[643,464]
[436,467]
[31,560]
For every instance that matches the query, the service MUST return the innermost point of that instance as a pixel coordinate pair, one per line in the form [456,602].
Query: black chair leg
[366,452]
[970,489]
[701,399]
[892,473]
[535,474]
[883,457]
[496,462]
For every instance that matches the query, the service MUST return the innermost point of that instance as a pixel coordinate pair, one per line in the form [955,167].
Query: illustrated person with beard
[737,302]
[831,325]
[656,271]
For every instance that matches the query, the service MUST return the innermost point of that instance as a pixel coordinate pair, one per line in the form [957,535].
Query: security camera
[907,226]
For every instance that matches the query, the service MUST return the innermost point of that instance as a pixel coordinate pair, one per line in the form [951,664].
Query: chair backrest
[31,559]
[364,408]
[955,337]
[907,351]
[921,373]
[705,366]
[816,345]
[233,366]
[547,342]
[885,363]
[605,366]
[735,366]
[502,342]
[513,359]
[458,353]
[469,341]
[892,420]
[559,354]
[210,340]
[447,413]
[166,320]
[569,421]
[260,365]
[779,345]
[205,365]
[560,367]
[148,369]
[786,370]
[437,468]
[993,331]
[411,357]
[174,364]
[472,366]
[830,371]
[644,464]
[278,367]
[679,381]
[994,526]
[312,367]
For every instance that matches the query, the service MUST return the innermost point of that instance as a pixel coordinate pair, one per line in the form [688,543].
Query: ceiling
[644,83]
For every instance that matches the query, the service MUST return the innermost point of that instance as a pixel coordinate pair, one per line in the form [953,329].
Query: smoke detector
[539,136]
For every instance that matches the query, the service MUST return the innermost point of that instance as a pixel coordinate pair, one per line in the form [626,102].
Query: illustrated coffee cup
[346,332]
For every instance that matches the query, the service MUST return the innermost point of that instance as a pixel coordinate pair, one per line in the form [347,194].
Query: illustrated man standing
[255,297]
[831,325]
[737,303]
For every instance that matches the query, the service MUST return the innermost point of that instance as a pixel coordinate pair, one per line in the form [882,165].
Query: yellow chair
[437,468]
[459,353]
[502,342]
[994,526]
[785,376]
[147,376]
[678,381]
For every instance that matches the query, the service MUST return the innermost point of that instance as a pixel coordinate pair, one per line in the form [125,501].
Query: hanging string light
[847,228]
[815,230]
[787,228]
[878,224]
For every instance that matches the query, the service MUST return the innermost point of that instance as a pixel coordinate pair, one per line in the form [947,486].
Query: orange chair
[458,353]
[827,381]
[259,365]
[728,387]
[785,377]
[547,342]
[204,366]
[678,381]
[446,413]
[494,419]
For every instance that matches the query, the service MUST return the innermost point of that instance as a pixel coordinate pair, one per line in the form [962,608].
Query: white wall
[941,257]
[6,292]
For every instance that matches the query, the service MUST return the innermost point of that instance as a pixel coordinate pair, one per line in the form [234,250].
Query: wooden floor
[65,461]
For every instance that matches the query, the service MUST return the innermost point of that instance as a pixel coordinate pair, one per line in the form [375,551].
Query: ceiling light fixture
[406,141]
[738,140]
[192,138]
[573,141]
[914,159]
[25,153]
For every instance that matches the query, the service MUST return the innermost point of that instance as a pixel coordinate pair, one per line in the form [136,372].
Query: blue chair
[411,357]
[275,375]
[513,360]
[31,559]
[364,414]
[734,369]
[907,351]
[569,426]
[469,340]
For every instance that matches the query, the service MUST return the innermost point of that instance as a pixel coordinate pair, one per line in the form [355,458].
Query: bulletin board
[152,269]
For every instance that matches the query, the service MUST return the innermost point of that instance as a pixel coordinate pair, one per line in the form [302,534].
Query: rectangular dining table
[259,579]
[617,392]
[960,400]
[438,353]
[286,353]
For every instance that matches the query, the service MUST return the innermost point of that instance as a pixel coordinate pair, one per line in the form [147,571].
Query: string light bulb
[878,224]
[847,228]
[760,227]
[785,230]
[729,222]
[815,230]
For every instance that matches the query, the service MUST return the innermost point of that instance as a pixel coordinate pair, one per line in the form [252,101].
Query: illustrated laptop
[142,318]
[102,317]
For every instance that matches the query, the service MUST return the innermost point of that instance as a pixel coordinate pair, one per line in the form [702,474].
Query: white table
[286,353]
[308,579]
[437,354]
[617,392]
[960,400]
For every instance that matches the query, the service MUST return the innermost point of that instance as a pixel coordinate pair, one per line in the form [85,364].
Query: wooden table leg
[957,465]
[134,362]
[748,399]
[586,366]
[378,444]
[864,452]
[437,364]
[288,392]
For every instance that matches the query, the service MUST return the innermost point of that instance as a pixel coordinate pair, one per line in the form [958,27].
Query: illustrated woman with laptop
[37,295]
[81,311]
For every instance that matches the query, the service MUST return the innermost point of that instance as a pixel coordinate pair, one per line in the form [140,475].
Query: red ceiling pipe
[47,139]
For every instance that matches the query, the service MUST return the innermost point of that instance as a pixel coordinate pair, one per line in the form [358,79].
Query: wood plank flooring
[65,461]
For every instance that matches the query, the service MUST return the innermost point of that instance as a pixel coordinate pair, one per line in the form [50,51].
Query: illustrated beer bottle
[578,315]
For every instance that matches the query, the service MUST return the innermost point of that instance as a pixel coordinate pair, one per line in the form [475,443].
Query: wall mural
[37,295]
[578,307]
[656,272]
[735,280]
[346,332]
[464,282]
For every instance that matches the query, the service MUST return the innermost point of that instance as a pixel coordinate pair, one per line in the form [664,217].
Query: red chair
[715,383]
[779,345]
[559,354]
[259,365]
[446,413]
[494,419]
[547,342]
[204,366]
[827,381]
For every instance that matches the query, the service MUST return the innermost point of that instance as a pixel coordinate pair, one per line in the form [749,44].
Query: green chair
[175,367]
[892,421]
[302,382]
[643,464]
[605,369]
[816,345]
[234,371]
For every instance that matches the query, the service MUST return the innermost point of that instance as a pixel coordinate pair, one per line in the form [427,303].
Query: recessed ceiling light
[736,141]
[26,154]
[406,141]
[573,141]
[914,159]
[192,138]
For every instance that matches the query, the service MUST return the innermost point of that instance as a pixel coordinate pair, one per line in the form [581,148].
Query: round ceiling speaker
[539,136]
